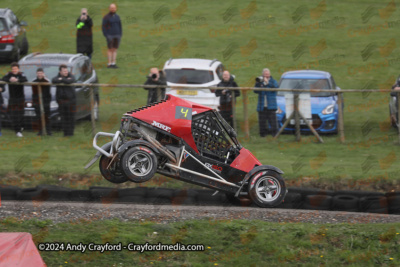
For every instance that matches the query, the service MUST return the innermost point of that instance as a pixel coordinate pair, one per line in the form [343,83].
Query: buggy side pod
[255,170]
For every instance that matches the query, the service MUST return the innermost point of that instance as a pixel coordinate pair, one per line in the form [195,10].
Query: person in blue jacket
[267,104]
[112,30]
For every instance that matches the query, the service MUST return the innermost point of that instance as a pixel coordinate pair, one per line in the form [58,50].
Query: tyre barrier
[159,195]
[291,201]
[9,192]
[374,204]
[133,195]
[394,204]
[345,203]
[317,202]
[296,198]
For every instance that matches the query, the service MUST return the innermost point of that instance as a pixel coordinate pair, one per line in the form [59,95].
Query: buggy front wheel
[139,164]
[267,189]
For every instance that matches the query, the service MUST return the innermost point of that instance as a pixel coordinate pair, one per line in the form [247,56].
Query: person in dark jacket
[267,104]
[226,96]
[66,99]
[16,97]
[155,77]
[84,38]
[46,98]
[112,30]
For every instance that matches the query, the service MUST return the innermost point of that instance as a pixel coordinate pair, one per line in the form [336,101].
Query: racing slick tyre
[267,189]
[112,174]
[139,164]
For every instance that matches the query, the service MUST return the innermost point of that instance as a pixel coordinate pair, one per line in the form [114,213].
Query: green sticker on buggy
[183,113]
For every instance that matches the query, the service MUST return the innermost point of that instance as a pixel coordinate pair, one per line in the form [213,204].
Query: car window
[30,71]
[333,83]
[86,70]
[8,23]
[306,84]
[220,70]
[3,24]
[189,76]
[77,70]
[13,18]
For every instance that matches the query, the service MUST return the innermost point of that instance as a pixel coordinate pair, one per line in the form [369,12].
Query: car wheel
[139,164]
[267,189]
[112,174]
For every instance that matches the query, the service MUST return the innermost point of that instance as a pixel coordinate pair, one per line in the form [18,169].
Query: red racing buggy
[188,142]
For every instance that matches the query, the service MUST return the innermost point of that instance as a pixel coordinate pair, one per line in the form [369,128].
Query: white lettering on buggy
[161,126]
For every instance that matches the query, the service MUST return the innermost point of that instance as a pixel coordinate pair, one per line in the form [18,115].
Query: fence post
[234,110]
[398,113]
[340,118]
[42,119]
[92,118]
[297,117]
[246,115]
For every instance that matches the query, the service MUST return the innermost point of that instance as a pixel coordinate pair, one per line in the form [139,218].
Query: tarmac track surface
[86,212]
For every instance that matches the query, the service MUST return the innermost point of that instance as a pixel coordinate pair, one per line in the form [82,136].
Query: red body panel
[245,161]
[172,116]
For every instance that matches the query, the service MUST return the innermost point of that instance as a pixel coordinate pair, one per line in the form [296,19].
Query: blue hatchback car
[324,106]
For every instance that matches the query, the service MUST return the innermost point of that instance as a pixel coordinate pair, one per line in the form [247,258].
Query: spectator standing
[84,38]
[66,99]
[155,77]
[226,96]
[17,97]
[267,104]
[46,98]
[112,30]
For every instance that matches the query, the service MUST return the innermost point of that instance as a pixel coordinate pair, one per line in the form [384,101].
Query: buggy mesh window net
[209,136]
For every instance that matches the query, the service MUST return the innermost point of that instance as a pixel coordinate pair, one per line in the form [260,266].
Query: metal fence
[244,90]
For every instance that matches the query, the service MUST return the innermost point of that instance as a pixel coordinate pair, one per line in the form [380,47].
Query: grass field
[238,243]
[356,41]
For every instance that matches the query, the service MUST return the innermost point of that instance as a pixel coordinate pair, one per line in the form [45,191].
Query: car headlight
[53,104]
[328,109]
[279,111]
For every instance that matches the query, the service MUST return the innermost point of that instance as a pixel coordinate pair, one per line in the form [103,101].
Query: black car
[13,41]
[79,65]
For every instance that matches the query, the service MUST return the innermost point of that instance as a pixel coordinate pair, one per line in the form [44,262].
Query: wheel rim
[140,163]
[268,188]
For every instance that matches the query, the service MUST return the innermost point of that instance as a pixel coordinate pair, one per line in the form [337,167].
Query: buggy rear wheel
[267,189]
[113,174]
[139,164]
